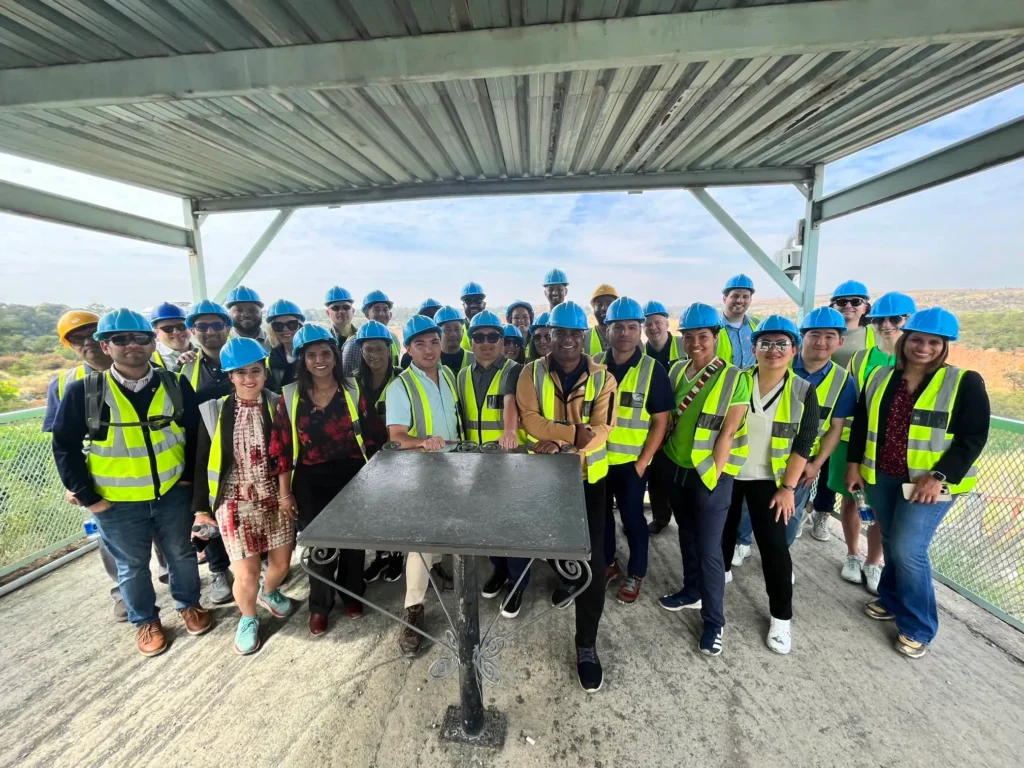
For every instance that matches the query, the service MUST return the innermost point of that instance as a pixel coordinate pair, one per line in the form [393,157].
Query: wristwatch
[939,476]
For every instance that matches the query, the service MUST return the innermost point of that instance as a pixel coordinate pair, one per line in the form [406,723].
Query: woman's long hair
[901,355]
[305,378]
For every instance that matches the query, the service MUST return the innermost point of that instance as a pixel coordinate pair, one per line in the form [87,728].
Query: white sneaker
[819,526]
[872,575]
[853,569]
[741,553]
[780,636]
[728,577]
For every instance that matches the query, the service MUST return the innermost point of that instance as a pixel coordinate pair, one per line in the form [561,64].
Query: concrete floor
[76,693]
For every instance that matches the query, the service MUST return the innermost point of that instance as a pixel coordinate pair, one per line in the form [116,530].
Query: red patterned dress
[250,519]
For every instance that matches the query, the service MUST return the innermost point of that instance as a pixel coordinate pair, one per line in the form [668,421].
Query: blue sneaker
[678,602]
[279,605]
[711,641]
[247,636]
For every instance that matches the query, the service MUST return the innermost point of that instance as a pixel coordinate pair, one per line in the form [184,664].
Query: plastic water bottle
[205,531]
[91,529]
[866,515]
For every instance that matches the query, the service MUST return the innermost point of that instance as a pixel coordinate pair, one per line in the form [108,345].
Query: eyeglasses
[286,325]
[896,320]
[340,307]
[125,339]
[373,352]
[214,326]
[80,340]
[763,345]
[173,328]
[489,338]
[848,302]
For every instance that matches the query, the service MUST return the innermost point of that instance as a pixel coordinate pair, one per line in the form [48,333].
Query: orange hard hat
[76,318]
[605,290]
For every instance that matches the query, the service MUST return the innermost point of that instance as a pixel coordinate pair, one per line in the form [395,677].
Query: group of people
[224,429]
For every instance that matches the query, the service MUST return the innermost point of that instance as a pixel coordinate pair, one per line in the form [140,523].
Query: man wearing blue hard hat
[455,352]
[661,345]
[429,308]
[246,315]
[735,342]
[473,301]
[140,423]
[556,287]
[376,306]
[422,411]
[173,341]
[340,307]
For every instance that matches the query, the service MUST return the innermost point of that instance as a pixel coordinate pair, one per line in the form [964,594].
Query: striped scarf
[709,370]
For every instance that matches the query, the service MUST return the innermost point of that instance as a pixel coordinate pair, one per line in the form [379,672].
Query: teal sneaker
[247,636]
[279,605]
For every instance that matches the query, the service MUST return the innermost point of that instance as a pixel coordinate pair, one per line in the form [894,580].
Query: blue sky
[659,245]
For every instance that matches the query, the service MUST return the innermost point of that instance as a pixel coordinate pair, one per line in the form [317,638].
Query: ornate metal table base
[492,735]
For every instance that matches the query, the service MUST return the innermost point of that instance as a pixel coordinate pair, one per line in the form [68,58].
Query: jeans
[628,489]
[745,532]
[906,589]
[110,566]
[825,497]
[513,568]
[217,556]
[129,529]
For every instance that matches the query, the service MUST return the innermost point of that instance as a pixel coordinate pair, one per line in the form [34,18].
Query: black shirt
[660,398]
[662,356]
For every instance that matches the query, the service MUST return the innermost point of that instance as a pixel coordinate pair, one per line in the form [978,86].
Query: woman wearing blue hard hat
[284,319]
[782,427]
[318,435]
[520,314]
[236,482]
[377,306]
[173,341]
[852,300]
[515,347]
[917,433]
[540,337]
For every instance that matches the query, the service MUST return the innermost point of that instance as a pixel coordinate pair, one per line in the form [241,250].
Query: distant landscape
[992,342]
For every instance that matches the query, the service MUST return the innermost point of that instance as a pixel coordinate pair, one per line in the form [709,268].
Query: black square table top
[496,504]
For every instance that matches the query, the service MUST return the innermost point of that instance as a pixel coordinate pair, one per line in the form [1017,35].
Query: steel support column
[196,265]
[809,254]
[261,244]
[747,243]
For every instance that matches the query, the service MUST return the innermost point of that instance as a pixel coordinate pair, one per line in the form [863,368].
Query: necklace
[319,401]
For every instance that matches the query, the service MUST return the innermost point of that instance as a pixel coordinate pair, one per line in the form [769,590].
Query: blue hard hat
[371,329]
[428,304]
[515,305]
[486,319]
[240,352]
[309,333]
[851,288]
[778,324]
[511,332]
[376,297]
[555,277]
[738,281]
[570,315]
[243,295]
[699,316]
[122,321]
[207,307]
[472,289]
[284,307]
[892,304]
[655,308]
[934,320]
[540,321]
[167,311]
[447,315]
[824,318]
[337,293]
[418,325]
[624,308]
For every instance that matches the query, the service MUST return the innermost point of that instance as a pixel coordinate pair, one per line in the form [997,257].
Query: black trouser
[824,497]
[314,487]
[659,483]
[770,535]
[590,605]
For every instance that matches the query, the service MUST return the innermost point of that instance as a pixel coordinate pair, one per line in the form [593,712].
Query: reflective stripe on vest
[828,393]
[627,438]
[724,346]
[350,389]
[422,418]
[488,424]
[211,412]
[121,465]
[786,423]
[396,349]
[76,373]
[929,437]
[191,371]
[596,461]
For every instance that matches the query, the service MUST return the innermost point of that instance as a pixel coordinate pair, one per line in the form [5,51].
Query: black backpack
[95,393]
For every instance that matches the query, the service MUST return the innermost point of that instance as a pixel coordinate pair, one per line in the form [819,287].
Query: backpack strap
[170,384]
[95,392]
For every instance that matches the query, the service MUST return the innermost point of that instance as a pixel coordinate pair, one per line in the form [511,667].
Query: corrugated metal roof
[776,111]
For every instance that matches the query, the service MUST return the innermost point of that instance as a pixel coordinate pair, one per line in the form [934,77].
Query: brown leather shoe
[317,624]
[411,642]
[197,619]
[150,639]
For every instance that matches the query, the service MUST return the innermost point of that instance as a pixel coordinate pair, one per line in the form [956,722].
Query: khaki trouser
[417,580]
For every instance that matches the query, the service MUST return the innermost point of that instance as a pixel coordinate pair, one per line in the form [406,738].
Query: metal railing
[978,550]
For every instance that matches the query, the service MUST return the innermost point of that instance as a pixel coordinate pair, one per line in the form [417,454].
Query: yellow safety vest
[858,368]
[72,374]
[191,371]
[675,350]
[869,336]
[211,412]
[786,424]
[488,424]
[828,393]
[594,344]
[724,348]
[632,422]
[422,418]
[596,461]
[466,344]
[121,465]
[710,421]
[350,389]
[396,349]
[929,422]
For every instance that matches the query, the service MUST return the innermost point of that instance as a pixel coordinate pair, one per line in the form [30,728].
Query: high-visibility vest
[422,417]
[350,389]
[828,392]
[724,348]
[211,412]
[158,360]
[487,424]
[710,422]
[596,461]
[71,374]
[396,349]
[191,371]
[466,344]
[869,336]
[121,465]
[632,422]
[786,424]
[467,361]
[929,422]
[593,343]
[675,350]
[858,368]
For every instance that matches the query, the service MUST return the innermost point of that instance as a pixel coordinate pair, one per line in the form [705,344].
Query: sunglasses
[123,340]
[489,338]
[849,302]
[782,345]
[286,325]
[80,340]
[174,328]
[896,320]
[340,307]
[214,326]
[513,342]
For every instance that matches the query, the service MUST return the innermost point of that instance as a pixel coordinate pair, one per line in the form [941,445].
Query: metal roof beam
[736,33]
[261,244]
[25,201]
[552,185]
[1002,144]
